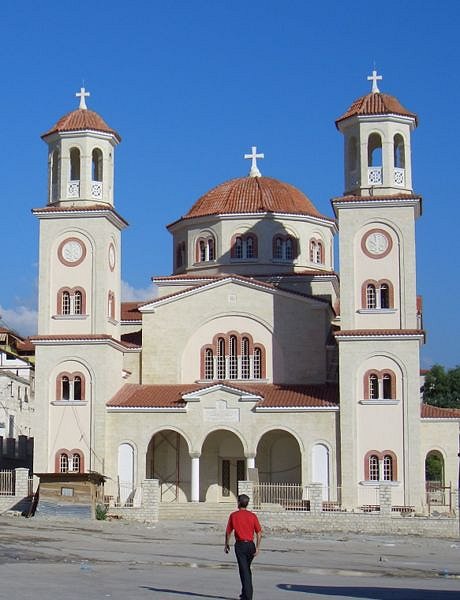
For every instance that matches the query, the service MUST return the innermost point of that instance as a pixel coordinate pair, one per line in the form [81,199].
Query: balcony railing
[374,176]
[96,190]
[399,176]
[73,189]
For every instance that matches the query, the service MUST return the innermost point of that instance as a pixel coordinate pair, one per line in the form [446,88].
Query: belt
[246,541]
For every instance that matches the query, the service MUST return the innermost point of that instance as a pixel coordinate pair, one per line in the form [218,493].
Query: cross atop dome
[374,78]
[254,172]
[82,94]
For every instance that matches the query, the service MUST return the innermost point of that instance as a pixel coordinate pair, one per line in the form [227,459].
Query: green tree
[442,388]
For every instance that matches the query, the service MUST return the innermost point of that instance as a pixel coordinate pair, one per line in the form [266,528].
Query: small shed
[74,495]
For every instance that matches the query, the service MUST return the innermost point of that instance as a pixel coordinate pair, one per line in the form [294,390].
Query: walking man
[245,524]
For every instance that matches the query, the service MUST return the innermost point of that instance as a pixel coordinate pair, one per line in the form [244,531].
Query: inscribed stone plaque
[221,413]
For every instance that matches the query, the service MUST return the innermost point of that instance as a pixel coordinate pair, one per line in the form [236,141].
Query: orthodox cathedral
[254,355]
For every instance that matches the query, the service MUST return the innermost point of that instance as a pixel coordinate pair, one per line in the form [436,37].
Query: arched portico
[279,458]
[222,465]
[168,460]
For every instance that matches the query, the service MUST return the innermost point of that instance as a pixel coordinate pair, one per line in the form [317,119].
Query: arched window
[387,468]
[65,388]
[55,167]
[373,468]
[74,164]
[434,470]
[245,360]
[250,246]
[352,154]
[71,301]
[374,150]
[399,154]
[380,385]
[240,359]
[373,386]
[63,463]
[377,295]
[371,296]
[233,362]
[316,252]
[221,358]
[111,305]
[96,165]
[65,303]
[209,364]
[238,247]
[70,386]
[76,462]
[284,247]
[205,249]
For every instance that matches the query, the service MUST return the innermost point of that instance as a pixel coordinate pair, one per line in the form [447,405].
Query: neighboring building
[244,359]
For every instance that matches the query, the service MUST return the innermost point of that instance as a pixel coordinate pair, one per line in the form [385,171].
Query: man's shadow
[371,593]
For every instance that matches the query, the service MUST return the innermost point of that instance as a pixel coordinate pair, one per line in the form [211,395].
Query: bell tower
[377,144]
[380,325]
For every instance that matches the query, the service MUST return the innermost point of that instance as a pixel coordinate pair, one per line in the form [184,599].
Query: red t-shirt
[245,523]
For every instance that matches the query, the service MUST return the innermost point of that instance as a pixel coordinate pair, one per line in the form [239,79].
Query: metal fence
[7,483]
[288,495]
[438,496]
[119,494]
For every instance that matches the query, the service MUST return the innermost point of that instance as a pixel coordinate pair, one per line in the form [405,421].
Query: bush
[101,512]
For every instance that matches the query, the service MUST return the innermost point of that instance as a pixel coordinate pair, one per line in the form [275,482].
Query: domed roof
[376,103]
[253,195]
[81,119]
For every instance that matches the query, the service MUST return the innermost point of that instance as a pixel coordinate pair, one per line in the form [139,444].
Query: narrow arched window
[373,467]
[65,388]
[278,248]
[289,249]
[74,164]
[239,247]
[65,303]
[202,251]
[249,247]
[371,296]
[387,386]
[211,249]
[374,150]
[76,462]
[54,167]
[373,386]
[209,364]
[233,358]
[63,463]
[384,295]
[221,358]
[399,154]
[257,368]
[77,388]
[387,468]
[245,360]
[96,165]
[352,154]
[77,299]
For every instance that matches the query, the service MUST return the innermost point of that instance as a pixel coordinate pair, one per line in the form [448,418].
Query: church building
[255,353]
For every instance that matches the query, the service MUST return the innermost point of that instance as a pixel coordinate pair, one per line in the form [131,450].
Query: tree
[442,388]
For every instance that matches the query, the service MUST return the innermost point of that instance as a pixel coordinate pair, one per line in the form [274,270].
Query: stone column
[250,462]
[150,499]
[247,487]
[316,497]
[22,483]
[385,499]
[195,491]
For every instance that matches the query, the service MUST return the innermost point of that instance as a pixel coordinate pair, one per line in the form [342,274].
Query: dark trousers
[244,554]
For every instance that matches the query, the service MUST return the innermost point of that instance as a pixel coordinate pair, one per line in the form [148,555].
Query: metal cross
[374,78]
[82,94]
[254,172]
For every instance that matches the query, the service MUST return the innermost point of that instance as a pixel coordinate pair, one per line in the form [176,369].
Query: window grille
[387,468]
[63,463]
[233,359]
[77,299]
[373,386]
[245,361]
[371,297]
[209,364]
[76,462]
[257,363]
[373,468]
[239,247]
[66,303]
[220,358]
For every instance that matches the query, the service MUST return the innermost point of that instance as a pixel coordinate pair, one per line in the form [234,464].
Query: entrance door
[232,470]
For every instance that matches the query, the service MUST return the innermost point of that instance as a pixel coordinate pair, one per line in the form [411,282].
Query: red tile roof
[257,276]
[378,332]
[253,195]
[134,338]
[435,412]
[375,198]
[81,120]
[272,396]
[130,312]
[90,207]
[376,104]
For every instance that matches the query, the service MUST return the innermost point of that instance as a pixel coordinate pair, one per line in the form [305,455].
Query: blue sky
[191,85]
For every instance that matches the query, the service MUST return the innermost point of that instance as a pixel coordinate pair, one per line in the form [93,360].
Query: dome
[81,119]
[253,195]
[376,103]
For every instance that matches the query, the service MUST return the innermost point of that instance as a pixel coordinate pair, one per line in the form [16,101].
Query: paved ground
[74,561]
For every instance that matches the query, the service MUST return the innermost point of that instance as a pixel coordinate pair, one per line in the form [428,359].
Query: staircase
[207,512]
